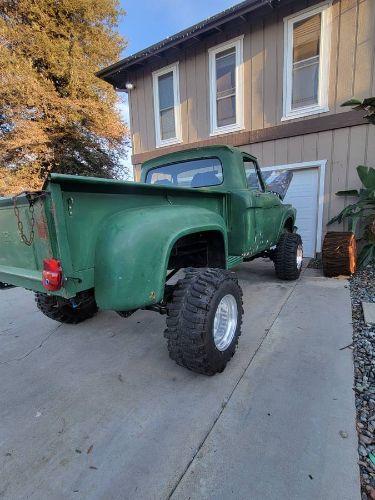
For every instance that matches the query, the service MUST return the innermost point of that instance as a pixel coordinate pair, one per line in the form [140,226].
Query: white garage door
[303,195]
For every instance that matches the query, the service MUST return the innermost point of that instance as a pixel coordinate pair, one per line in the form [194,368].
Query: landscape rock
[362,289]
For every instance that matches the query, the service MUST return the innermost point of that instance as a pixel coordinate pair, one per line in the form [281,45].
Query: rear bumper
[25,278]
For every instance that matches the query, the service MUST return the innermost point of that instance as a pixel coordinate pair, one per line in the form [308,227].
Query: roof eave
[110,73]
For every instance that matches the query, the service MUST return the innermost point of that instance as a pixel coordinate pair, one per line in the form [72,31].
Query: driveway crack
[39,346]
[266,332]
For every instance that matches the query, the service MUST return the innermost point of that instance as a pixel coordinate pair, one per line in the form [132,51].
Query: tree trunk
[339,254]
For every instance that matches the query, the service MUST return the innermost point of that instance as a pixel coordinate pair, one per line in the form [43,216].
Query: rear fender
[133,250]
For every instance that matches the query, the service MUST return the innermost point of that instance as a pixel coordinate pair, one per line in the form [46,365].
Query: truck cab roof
[230,160]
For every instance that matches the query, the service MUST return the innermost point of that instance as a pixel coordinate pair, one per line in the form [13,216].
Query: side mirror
[278,181]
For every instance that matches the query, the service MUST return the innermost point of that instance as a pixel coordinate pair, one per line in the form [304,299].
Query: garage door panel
[303,195]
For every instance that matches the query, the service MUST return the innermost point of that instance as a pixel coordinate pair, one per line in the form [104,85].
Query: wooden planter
[339,254]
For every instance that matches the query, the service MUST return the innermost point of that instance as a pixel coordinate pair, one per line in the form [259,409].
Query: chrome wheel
[225,322]
[299,256]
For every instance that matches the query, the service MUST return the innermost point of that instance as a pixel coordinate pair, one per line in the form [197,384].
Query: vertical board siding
[351,72]
[247,72]
[268,153]
[340,154]
[149,111]
[295,149]
[346,51]
[134,120]
[257,75]
[184,97]
[309,147]
[343,149]
[137,172]
[191,95]
[142,112]
[201,83]
[365,49]
[281,152]
[333,65]
[270,70]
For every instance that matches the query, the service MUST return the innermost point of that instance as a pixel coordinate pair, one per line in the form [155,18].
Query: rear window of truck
[202,172]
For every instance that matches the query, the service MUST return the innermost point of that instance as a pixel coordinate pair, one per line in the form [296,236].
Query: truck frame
[86,243]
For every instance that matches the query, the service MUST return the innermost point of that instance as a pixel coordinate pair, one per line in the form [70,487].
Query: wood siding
[351,72]
[344,149]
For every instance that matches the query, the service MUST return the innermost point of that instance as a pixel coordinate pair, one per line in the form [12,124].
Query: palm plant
[363,210]
[367,105]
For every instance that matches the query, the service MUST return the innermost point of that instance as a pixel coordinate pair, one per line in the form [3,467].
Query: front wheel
[288,256]
[204,320]
[66,311]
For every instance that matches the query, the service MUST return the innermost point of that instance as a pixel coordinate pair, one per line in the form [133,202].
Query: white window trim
[237,43]
[322,105]
[321,166]
[177,106]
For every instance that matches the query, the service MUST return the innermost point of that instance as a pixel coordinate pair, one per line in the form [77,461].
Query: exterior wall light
[129,86]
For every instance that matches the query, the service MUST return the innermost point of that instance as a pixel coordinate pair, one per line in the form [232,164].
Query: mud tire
[286,257]
[63,311]
[191,316]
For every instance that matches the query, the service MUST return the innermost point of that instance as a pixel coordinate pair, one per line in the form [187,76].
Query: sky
[147,22]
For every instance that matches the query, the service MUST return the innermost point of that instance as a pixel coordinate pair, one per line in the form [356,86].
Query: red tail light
[52,275]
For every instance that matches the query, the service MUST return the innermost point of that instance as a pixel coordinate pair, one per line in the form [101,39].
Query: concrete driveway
[99,410]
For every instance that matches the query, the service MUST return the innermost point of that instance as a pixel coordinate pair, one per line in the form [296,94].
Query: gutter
[193,32]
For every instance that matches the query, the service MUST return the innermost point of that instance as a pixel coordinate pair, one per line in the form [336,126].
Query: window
[252,177]
[226,87]
[167,106]
[192,173]
[306,62]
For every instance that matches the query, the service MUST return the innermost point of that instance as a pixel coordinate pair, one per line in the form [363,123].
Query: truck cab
[254,210]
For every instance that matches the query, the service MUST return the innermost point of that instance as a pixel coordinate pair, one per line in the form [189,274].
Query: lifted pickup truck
[87,243]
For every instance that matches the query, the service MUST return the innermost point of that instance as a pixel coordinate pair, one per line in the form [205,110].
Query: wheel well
[202,249]
[289,224]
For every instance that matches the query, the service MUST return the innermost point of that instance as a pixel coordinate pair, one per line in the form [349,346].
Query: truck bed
[68,220]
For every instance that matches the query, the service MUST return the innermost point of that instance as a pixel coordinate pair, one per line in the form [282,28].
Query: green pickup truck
[86,243]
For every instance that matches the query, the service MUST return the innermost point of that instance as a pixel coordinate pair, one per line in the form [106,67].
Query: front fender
[133,249]
[288,213]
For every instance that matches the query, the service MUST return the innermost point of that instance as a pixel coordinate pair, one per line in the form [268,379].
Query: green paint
[117,236]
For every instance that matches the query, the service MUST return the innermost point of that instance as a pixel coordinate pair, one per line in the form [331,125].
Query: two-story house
[268,76]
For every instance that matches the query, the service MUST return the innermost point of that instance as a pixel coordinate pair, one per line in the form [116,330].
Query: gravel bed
[362,287]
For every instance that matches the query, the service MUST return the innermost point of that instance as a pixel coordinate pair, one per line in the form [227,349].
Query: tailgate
[21,261]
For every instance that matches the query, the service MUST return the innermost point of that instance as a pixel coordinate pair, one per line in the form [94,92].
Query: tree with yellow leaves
[55,114]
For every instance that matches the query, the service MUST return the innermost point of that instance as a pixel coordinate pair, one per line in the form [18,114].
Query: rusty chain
[31,198]
[28,241]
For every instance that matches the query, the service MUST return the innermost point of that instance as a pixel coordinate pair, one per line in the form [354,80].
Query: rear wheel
[65,311]
[204,320]
[288,256]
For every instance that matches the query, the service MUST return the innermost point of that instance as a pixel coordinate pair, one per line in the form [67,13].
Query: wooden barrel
[339,254]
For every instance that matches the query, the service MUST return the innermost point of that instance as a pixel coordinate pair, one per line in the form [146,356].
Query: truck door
[265,205]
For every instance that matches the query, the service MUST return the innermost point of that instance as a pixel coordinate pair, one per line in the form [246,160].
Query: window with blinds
[306,47]
[226,88]
[306,63]
[167,106]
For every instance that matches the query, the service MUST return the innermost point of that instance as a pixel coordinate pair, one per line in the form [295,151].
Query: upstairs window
[167,106]
[306,63]
[226,87]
